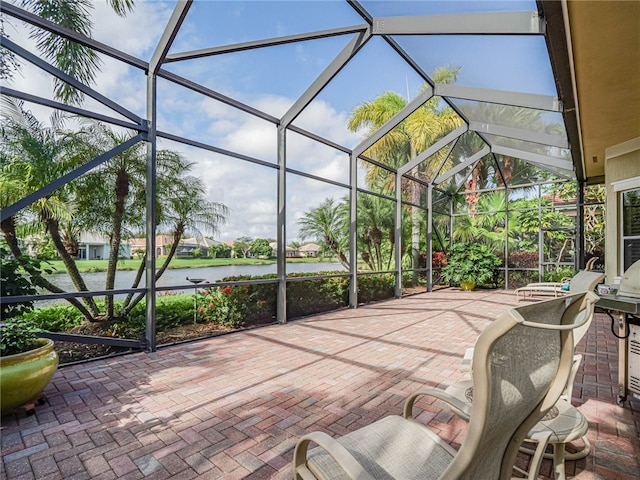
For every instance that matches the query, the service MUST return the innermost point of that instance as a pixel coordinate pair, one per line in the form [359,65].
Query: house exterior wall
[622,162]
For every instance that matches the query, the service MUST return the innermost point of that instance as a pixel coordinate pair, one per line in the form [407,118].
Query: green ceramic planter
[468,286]
[24,375]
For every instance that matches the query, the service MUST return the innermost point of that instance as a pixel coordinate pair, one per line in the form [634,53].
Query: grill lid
[630,283]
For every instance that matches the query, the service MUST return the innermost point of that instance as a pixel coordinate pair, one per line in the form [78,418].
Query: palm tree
[185,210]
[485,171]
[72,58]
[112,198]
[415,134]
[328,224]
[376,231]
[33,155]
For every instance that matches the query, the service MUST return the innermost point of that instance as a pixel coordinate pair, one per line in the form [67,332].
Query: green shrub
[307,297]
[372,288]
[559,273]
[55,318]
[233,306]
[471,262]
[17,335]
[171,311]
[255,304]
[16,279]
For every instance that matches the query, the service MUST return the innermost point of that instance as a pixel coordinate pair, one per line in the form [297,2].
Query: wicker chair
[520,367]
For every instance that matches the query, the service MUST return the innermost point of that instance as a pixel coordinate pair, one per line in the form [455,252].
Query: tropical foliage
[433,120]
[471,262]
[74,59]
[110,199]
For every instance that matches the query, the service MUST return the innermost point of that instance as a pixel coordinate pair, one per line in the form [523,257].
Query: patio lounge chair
[521,365]
[583,281]
[563,424]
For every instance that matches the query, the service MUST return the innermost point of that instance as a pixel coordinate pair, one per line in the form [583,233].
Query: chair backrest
[584,281]
[521,364]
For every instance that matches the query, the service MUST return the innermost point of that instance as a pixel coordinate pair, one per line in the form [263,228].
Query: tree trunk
[174,247]
[124,311]
[8,228]
[472,199]
[122,190]
[72,269]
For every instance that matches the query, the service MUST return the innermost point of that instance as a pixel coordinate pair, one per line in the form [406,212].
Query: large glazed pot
[467,286]
[24,375]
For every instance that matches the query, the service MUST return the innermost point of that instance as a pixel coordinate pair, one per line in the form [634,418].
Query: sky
[271,79]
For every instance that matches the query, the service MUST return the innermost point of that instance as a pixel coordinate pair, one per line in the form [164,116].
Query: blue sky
[272,79]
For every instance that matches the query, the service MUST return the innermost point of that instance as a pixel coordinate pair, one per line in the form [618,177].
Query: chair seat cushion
[391,448]
[565,422]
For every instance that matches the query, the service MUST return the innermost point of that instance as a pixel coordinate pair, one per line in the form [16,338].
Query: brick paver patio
[233,406]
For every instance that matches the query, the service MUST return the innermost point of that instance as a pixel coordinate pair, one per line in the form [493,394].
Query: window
[630,227]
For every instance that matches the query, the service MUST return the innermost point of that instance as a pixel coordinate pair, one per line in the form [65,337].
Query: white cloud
[137,33]
[249,190]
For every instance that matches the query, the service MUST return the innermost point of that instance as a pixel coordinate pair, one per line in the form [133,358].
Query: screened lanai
[409,121]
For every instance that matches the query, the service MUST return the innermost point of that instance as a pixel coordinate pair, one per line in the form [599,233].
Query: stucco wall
[622,162]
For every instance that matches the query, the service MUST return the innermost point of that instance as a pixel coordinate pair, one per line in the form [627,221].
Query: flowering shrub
[217,306]
[438,260]
[255,303]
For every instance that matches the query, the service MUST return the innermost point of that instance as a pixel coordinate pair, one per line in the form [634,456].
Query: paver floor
[233,406]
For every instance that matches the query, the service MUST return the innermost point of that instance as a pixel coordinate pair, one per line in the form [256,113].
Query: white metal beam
[533,157]
[494,23]
[503,97]
[519,134]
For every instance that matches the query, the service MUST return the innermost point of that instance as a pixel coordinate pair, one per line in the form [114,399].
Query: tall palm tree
[328,224]
[413,135]
[113,196]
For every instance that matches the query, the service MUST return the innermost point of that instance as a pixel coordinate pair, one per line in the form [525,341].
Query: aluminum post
[281,312]
[353,215]
[398,237]
[429,259]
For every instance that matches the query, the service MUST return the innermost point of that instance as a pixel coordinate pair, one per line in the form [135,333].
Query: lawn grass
[85,266]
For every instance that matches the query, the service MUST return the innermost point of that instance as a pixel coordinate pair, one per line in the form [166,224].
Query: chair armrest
[460,408]
[568,390]
[340,454]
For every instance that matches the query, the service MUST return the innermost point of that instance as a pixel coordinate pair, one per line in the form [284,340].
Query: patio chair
[563,424]
[521,365]
[583,281]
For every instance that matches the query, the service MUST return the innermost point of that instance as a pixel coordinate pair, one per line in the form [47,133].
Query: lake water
[174,277]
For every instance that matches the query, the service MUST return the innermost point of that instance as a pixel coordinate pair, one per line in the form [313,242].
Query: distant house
[95,246]
[163,245]
[310,250]
[188,246]
[290,251]
[231,243]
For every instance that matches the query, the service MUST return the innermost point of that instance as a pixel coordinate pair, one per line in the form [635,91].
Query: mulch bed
[72,352]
